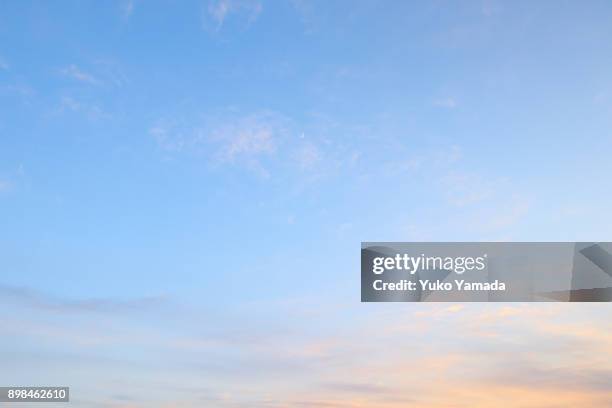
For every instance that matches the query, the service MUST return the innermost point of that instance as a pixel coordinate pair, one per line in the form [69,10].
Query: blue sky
[184,186]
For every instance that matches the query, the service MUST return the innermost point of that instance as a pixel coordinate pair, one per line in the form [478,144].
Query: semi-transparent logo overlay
[486,272]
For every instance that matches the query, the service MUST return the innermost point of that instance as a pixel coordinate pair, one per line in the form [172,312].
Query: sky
[184,187]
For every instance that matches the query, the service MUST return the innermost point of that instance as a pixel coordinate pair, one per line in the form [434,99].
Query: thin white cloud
[92,111]
[34,299]
[127,8]
[229,139]
[76,73]
[490,8]
[4,66]
[306,11]
[21,90]
[5,186]
[219,10]
[509,215]
[248,141]
[447,103]
[166,140]
[308,156]
[263,142]
[466,188]
[109,72]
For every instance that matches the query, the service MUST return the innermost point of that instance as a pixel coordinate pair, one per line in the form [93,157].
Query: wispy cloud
[219,10]
[306,11]
[91,111]
[447,103]
[247,138]
[495,349]
[127,8]
[248,141]
[38,300]
[5,185]
[308,155]
[265,143]
[508,215]
[491,7]
[439,159]
[109,72]
[76,73]
[464,188]
[357,388]
[4,65]
[167,138]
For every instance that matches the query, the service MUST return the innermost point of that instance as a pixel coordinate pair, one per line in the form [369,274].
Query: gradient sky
[184,186]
